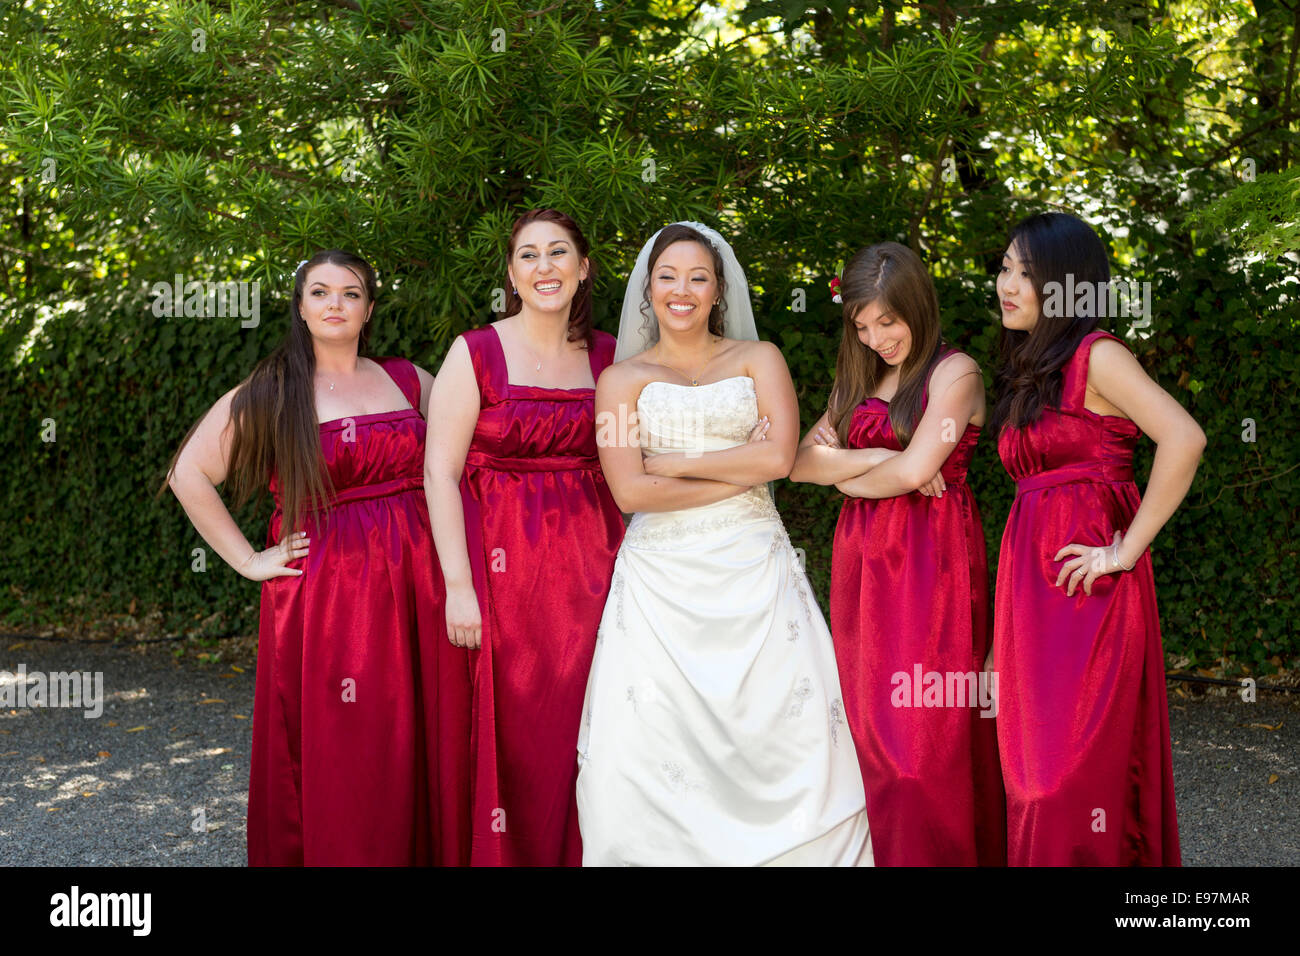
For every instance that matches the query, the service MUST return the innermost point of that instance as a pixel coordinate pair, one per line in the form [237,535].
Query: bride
[713,731]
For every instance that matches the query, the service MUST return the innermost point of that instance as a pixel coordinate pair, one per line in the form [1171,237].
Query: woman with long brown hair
[1083,727]
[527,531]
[909,573]
[360,715]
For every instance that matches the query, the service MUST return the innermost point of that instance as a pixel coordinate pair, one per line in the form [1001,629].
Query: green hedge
[86,541]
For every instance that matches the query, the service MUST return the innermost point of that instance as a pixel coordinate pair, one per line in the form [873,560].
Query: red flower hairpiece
[835,290]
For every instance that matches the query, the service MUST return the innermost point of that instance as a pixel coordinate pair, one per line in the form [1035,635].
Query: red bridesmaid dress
[909,597]
[361,710]
[1084,724]
[542,531]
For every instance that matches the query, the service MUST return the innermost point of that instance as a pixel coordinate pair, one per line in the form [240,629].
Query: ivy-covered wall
[87,545]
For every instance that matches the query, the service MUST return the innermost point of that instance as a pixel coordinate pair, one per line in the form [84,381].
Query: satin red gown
[361,710]
[1084,724]
[909,590]
[542,531]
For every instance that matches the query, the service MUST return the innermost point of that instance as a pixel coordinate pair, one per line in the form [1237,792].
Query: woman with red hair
[527,531]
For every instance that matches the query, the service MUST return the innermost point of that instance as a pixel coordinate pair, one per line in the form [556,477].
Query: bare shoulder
[457,355]
[953,367]
[1108,352]
[631,373]
[220,409]
[1113,373]
[426,386]
[456,386]
[763,356]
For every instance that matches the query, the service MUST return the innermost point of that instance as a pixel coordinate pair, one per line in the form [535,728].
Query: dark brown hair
[894,277]
[273,413]
[580,307]
[1052,246]
[680,233]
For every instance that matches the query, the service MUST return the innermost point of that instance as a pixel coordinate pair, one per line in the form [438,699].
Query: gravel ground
[124,789]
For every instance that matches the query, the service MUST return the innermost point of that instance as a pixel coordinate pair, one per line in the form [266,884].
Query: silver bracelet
[1115,552]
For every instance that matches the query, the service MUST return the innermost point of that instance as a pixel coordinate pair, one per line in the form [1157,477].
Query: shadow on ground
[160,778]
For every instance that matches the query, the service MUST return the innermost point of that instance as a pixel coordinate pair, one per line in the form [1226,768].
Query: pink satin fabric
[1084,724]
[543,532]
[909,587]
[361,710]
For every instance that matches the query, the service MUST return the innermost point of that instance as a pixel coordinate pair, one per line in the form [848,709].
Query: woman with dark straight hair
[909,574]
[527,531]
[361,712]
[1083,722]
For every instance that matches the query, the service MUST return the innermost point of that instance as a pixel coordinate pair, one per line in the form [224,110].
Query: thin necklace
[695,379]
[538,367]
[324,376]
[534,355]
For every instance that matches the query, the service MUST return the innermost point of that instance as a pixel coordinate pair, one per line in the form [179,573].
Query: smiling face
[545,268]
[683,286]
[334,303]
[1016,295]
[885,334]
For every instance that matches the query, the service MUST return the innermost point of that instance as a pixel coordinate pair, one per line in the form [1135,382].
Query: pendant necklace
[695,379]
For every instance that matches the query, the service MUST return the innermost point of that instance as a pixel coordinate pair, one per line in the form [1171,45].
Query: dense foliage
[227,141]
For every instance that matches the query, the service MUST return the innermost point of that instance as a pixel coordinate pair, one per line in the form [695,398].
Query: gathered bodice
[1070,444]
[530,427]
[871,428]
[370,456]
[693,420]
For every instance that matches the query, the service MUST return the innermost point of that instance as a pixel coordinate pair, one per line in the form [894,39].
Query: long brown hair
[893,276]
[580,307]
[273,413]
[1060,248]
[678,232]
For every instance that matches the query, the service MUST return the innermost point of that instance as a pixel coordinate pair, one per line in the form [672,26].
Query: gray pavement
[126,788]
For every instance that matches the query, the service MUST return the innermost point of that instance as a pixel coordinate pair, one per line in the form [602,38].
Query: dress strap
[1075,380]
[944,352]
[489,360]
[402,371]
[602,352]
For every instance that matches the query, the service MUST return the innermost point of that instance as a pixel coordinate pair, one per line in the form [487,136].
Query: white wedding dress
[713,731]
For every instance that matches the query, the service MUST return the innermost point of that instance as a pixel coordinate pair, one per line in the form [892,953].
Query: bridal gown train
[713,731]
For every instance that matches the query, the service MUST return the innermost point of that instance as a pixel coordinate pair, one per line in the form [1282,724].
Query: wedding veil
[638,330]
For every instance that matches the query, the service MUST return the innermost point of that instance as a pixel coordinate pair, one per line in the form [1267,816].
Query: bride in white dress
[713,731]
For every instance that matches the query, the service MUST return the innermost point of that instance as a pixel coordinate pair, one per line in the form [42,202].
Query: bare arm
[202,465]
[617,437]
[752,463]
[426,389]
[453,410]
[956,396]
[1115,375]
[820,464]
